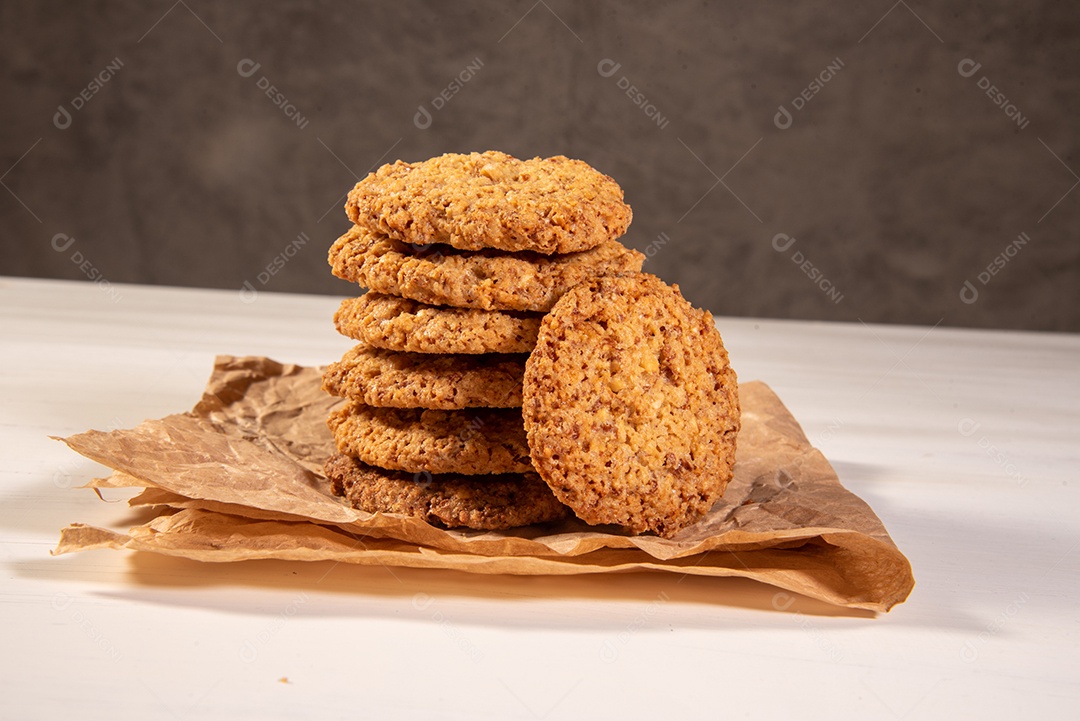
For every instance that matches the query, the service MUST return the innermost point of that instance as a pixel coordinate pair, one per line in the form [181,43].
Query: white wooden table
[965,443]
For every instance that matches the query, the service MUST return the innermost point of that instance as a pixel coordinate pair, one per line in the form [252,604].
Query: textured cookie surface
[482,502]
[469,442]
[488,279]
[401,324]
[631,405]
[492,200]
[387,378]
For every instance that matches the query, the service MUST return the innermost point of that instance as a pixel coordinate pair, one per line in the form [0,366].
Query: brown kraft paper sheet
[239,477]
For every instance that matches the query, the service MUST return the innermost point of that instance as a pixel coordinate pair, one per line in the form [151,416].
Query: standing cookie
[631,406]
[492,200]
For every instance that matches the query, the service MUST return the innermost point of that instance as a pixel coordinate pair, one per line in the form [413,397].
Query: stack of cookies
[462,256]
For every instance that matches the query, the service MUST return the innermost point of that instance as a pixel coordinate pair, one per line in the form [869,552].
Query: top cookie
[492,200]
[631,406]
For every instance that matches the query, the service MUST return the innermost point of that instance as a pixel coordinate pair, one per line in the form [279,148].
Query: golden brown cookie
[401,324]
[470,442]
[631,405]
[388,378]
[492,200]
[488,279]
[482,502]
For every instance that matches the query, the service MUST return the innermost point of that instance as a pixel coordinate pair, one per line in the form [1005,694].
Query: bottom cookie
[489,503]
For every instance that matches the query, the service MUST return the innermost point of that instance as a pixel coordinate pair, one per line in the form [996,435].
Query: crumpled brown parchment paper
[239,477]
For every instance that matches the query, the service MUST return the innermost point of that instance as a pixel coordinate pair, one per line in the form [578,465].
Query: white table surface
[966,444]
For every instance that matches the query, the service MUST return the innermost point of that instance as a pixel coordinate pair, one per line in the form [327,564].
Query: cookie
[631,406]
[492,200]
[488,280]
[401,324]
[490,503]
[388,378]
[469,442]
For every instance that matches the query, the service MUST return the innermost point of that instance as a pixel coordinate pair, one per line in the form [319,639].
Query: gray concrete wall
[143,131]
